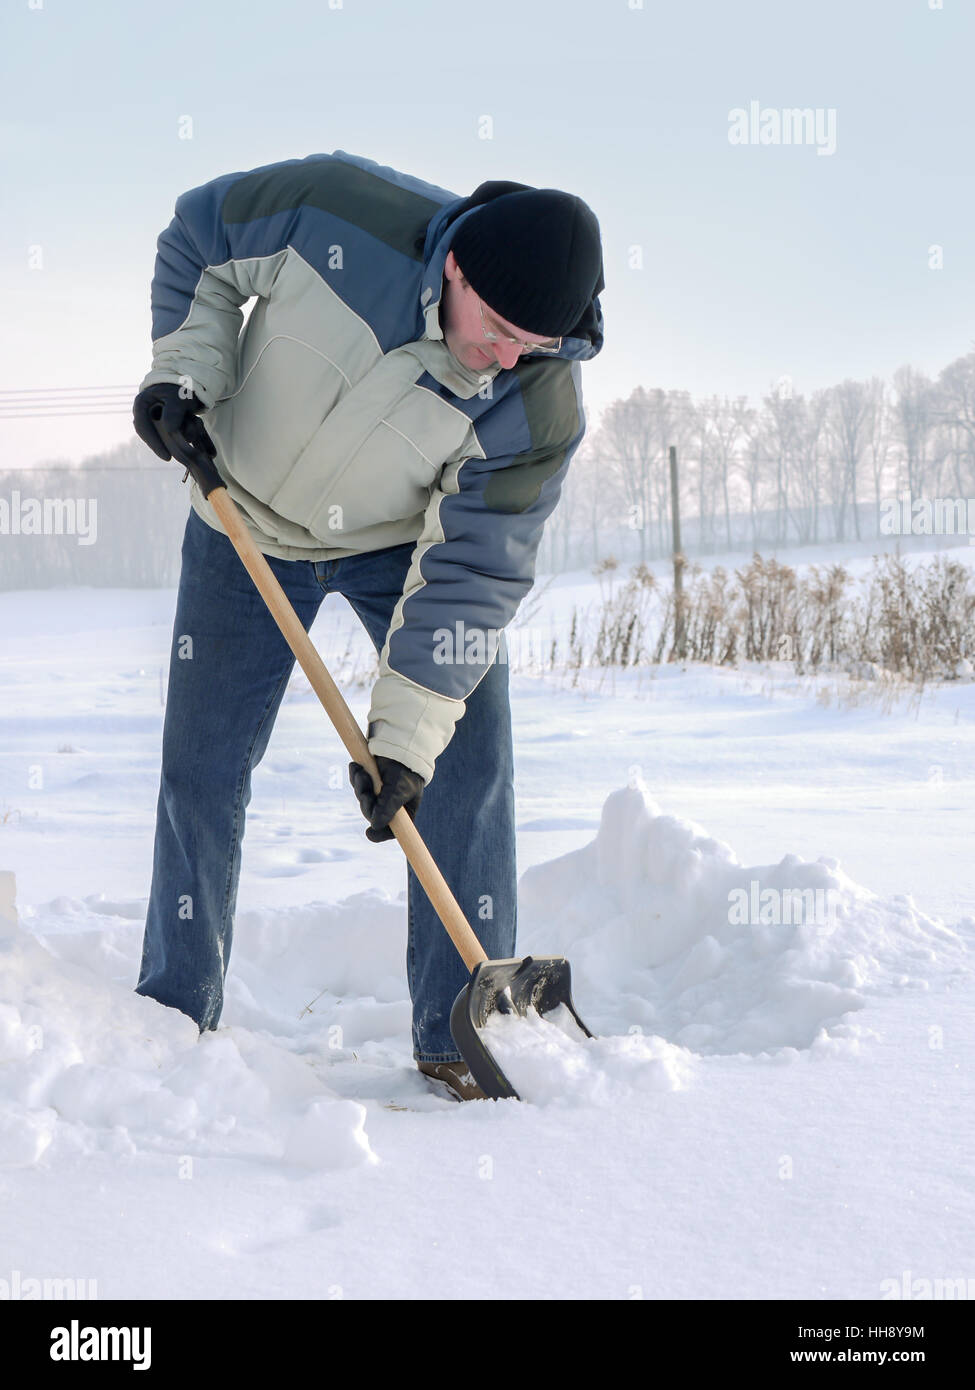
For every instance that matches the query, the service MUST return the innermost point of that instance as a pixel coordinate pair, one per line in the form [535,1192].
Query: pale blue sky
[758,261]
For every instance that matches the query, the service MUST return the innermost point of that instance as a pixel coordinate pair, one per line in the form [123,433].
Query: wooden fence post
[677,651]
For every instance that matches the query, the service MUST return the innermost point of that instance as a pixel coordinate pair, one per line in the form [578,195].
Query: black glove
[177,415]
[401,787]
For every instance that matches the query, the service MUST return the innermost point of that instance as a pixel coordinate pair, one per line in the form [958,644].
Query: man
[395,421]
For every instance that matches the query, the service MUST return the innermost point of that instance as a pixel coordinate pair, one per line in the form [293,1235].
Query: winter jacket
[344,424]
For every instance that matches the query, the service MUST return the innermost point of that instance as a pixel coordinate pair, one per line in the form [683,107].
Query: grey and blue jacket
[343,423]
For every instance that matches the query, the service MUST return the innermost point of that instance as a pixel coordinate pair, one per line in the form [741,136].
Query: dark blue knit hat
[532,254]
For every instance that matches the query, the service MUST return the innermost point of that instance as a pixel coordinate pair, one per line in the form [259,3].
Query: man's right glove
[178,416]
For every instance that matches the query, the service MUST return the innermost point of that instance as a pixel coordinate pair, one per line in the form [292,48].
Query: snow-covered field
[770,1109]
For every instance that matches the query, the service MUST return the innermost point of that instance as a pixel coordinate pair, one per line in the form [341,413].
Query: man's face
[460,319]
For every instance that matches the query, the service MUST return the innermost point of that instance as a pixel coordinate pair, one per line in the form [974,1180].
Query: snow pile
[88,1066]
[550,1060]
[667,931]
[677,949]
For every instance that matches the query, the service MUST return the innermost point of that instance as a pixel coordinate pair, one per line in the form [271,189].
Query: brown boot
[456,1075]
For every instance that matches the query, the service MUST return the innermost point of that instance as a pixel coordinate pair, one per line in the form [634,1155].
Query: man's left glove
[401,787]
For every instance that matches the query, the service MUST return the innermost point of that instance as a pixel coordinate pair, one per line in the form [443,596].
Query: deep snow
[770,1108]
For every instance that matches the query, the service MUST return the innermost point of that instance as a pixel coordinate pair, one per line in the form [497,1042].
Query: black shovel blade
[506,987]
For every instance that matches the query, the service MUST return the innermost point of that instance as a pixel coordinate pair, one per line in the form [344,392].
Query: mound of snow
[549,1060]
[87,1065]
[676,948]
[667,931]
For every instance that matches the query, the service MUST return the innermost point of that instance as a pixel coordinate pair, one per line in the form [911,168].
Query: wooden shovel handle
[435,885]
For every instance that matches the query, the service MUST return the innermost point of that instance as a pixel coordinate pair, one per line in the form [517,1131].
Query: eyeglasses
[503,338]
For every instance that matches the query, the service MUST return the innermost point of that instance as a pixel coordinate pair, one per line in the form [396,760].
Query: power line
[61,390]
[61,414]
[65,402]
[81,469]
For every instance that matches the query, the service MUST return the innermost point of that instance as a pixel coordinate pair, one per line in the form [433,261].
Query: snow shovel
[496,986]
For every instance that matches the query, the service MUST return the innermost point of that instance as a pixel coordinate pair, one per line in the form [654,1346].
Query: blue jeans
[220,711]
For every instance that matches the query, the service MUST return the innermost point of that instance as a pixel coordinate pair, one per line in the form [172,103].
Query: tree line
[795,470]
[115,520]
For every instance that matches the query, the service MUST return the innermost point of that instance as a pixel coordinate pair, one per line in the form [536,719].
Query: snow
[716,955]
[550,1061]
[773,1106]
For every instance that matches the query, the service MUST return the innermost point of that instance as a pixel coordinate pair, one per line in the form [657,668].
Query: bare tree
[720,422]
[849,413]
[752,462]
[781,417]
[879,435]
[810,425]
[627,445]
[956,392]
[915,421]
